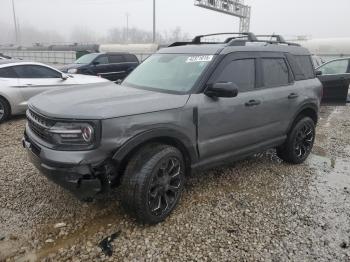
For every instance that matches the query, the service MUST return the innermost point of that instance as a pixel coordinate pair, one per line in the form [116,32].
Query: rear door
[117,68]
[34,79]
[278,95]
[132,63]
[335,79]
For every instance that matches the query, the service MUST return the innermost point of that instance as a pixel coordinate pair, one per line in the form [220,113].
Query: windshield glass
[169,72]
[86,59]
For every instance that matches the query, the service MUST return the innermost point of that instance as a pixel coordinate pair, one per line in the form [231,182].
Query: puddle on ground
[331,195]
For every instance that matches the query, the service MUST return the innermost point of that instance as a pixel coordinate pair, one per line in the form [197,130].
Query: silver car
[20,81]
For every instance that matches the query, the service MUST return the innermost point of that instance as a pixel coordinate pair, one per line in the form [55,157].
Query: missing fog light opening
[69,135]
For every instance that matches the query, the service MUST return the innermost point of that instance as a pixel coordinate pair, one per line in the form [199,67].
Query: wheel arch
[310,110]
[159,136]
[7,101]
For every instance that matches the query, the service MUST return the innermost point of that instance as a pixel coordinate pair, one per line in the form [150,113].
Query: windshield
[86,59]
[169,72]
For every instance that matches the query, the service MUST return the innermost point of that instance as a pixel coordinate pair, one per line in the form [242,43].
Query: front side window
[335,67]
[7,72]
[86,59]
[102,60]
[275,72]
[36,71]
[176,73]
[240,72]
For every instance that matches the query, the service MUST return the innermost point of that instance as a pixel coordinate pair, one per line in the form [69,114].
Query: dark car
[191,106]
[335,77]
[112,66]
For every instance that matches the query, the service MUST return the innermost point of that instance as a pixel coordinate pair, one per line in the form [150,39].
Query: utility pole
[154,21]
[127,27]
[15,21]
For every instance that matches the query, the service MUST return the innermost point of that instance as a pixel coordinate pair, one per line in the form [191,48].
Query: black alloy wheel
[165,187]
[304,140]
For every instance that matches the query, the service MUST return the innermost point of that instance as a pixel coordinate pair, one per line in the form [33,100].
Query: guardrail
[54,57]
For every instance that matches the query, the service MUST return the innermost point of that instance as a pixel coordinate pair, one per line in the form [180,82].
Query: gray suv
[190,106]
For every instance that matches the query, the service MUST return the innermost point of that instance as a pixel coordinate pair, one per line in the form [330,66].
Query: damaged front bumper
[84,181]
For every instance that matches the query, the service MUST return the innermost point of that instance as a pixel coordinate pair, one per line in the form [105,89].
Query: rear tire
[5,110]
[153,182]
[299,142]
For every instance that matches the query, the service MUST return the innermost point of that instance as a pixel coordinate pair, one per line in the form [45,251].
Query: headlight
[74,134]
[72,71]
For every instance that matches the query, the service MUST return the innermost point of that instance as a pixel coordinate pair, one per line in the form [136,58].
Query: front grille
[39,125]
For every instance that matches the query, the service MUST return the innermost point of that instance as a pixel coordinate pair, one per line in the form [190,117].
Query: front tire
[299,142]
[153,182]
[5,110]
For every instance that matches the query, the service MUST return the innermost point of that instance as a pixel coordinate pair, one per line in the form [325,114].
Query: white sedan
[19,81]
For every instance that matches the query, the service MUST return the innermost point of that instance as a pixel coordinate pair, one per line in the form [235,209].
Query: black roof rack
[278,38]
[275,39]
[239,39]
[250,37]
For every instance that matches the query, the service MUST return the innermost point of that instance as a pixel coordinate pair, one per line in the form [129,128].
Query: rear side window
[241,72]
[36,71]
[131,58]
[7,72]
[116,59]
[305,64]
[275,72]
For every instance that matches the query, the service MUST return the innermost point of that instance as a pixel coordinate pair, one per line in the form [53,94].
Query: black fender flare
[154,134]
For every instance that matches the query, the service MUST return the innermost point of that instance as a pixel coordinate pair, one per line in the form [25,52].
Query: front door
[100,66]
[35,79]
[335,79]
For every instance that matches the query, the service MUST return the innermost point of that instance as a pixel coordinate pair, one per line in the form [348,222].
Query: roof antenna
[267,43]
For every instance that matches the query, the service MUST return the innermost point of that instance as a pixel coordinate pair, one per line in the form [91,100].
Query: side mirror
[95,63]
[64,76]
[228,89]
[318,72]
[119,82]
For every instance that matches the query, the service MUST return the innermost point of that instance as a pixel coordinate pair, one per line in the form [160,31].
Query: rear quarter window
[116,59]
[305,64]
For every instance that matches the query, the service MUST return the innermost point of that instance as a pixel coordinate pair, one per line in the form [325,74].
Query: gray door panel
[229,124]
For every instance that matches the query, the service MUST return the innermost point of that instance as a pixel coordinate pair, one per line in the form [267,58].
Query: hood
[65,68]
[102,101]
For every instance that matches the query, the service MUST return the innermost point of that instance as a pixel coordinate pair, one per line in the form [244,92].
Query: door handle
[253,103]
[293,96]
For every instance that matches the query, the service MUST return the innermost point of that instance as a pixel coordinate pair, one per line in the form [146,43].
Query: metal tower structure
[235,8]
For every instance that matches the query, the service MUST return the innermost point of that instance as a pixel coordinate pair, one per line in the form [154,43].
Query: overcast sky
[317,18]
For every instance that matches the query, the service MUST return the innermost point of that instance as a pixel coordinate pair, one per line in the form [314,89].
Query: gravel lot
[259,209]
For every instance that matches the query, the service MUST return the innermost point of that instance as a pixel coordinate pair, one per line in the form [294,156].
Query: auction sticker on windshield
[202,58]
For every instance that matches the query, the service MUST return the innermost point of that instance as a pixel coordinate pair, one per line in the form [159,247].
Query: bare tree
[30,35]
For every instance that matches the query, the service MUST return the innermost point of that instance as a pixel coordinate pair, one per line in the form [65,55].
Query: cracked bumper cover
[78,179]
